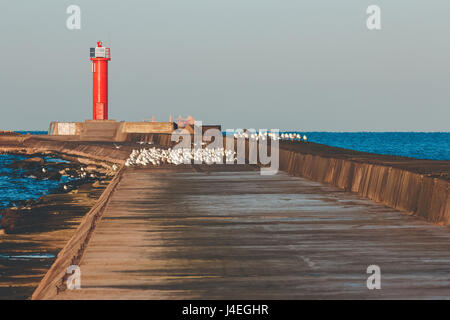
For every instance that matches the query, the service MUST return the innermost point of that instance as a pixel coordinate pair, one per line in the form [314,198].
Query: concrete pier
[226,232]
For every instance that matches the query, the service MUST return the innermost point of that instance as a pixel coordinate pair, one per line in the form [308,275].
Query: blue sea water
[14,186]
[32,132]
[419,145]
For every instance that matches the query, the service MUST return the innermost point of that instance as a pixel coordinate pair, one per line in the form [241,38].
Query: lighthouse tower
[100,57]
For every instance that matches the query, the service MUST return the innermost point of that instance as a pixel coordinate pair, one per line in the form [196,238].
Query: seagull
[117,146]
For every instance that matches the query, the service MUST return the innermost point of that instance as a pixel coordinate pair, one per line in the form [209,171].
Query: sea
[14,186]
[420,145]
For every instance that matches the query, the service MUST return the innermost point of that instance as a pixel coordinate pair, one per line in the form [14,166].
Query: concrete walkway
[212,233]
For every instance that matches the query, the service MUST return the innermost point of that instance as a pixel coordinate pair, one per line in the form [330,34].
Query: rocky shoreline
[22,215]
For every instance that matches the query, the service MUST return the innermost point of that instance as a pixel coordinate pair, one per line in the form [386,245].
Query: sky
[289,64]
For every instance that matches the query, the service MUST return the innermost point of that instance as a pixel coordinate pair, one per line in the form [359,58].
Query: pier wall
[417,187]
[416,193]
[83,152]
[107,130]
[147,127]
[100,152]
[159,139]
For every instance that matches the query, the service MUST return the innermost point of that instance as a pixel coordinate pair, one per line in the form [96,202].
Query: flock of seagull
[293,137]
[177,156]
[157,156]
[270,135]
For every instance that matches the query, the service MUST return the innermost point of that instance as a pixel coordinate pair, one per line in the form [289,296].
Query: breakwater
[227,232]
[416,186]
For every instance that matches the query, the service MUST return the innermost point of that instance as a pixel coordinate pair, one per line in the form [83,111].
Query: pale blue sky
[288,64]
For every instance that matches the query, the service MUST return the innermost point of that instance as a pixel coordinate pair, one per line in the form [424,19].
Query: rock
[39,174]
[54,175]
[27,163]
[36,160]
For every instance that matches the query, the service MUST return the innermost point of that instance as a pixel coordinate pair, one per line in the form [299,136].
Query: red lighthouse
[100,57]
